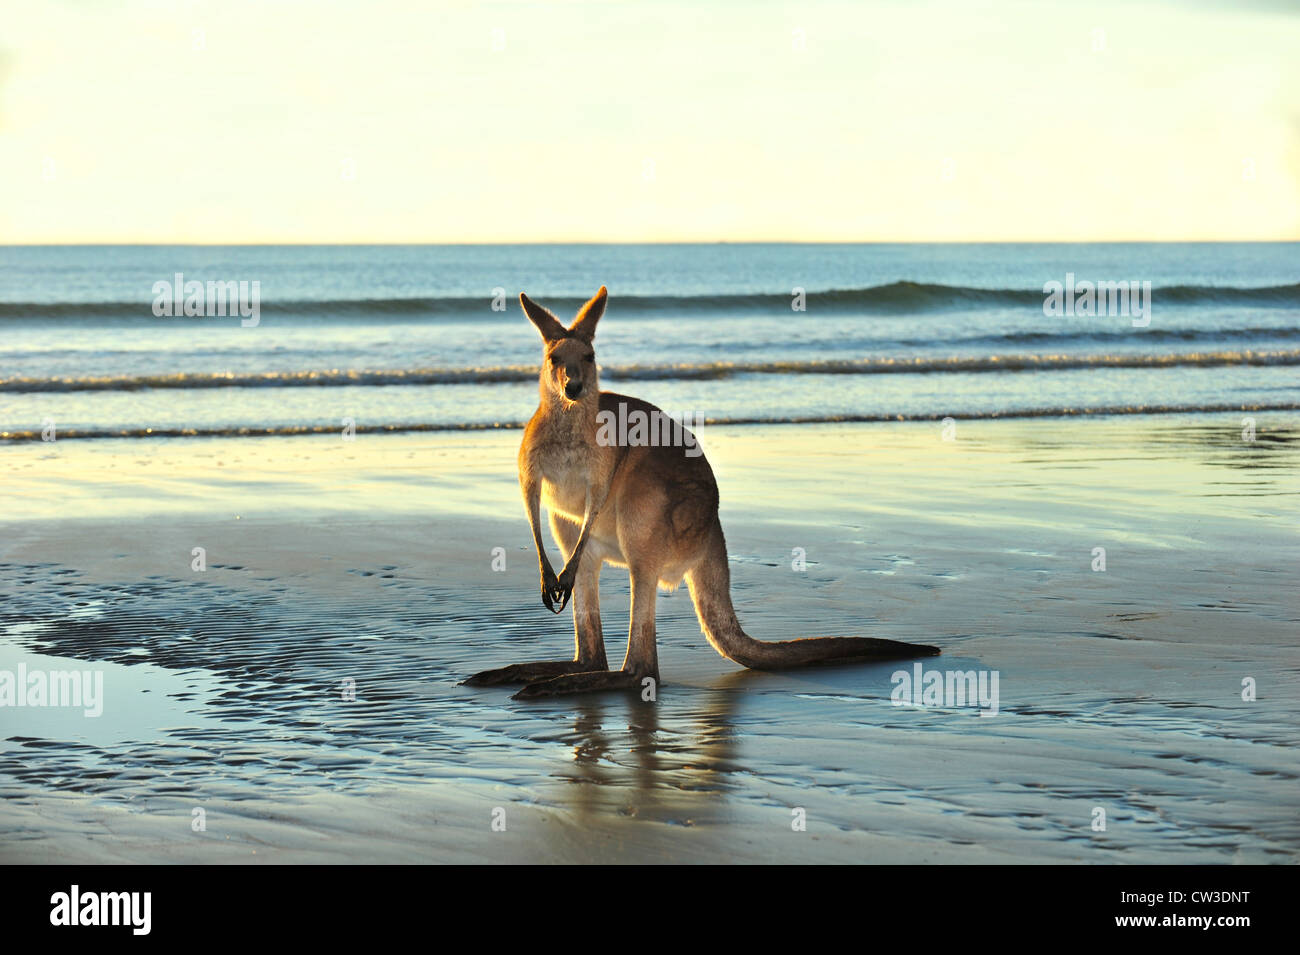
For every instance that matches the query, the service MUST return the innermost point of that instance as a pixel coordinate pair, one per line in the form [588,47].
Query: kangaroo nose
[573,389]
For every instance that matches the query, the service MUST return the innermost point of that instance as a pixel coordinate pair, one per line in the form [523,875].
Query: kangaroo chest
[566,478]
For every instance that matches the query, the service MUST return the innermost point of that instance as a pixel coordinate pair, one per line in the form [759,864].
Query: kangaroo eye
[555,359]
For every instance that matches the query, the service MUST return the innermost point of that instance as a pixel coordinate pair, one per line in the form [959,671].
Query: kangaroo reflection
[669,761]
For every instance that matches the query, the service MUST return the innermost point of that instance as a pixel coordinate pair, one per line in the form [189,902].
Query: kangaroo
[650,508]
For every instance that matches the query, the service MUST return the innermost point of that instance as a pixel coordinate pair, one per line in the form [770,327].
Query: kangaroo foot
[592,682]
[529,672]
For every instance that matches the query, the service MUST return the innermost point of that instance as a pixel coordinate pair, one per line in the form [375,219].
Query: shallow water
[1119,690]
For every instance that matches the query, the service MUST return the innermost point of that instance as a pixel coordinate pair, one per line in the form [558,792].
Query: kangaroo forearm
[533,505]
[596,498]
[543,560]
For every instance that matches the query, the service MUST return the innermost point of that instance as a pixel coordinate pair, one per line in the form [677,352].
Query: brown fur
[652,509]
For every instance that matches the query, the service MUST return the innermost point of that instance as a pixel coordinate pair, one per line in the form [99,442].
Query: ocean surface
[408,338]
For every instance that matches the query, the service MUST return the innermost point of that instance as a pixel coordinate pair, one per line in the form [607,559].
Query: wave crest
[902,296]
[332,429]
[505,374]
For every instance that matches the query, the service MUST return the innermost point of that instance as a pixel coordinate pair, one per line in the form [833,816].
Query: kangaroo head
[569,365]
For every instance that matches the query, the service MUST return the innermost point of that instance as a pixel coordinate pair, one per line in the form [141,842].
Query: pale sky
[277,121]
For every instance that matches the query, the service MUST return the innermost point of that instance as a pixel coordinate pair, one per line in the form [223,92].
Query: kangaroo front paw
[564,587]
[554,592]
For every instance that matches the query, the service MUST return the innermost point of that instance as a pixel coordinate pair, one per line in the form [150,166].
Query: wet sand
[371,562]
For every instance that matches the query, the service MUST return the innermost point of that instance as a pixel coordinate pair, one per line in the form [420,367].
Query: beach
[996,548]
[301,690]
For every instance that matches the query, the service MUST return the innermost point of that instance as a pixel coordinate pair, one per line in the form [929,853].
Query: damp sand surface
[369,564]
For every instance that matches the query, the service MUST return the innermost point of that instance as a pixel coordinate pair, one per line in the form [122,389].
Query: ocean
[432,338]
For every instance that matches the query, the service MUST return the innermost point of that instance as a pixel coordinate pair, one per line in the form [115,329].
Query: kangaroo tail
[710,585]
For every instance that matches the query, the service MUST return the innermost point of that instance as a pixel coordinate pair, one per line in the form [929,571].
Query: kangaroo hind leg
[641,662]
[589,641]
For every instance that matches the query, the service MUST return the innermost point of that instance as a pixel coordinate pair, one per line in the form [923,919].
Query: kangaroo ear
[584,326]
[546,323]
